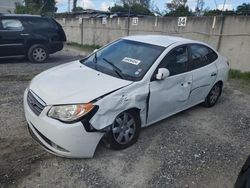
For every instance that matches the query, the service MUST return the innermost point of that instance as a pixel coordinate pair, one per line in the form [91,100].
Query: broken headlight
[69,113]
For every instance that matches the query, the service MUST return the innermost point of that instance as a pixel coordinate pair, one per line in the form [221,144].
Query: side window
[201,56]
[41,23]
[176,61]
[11,25]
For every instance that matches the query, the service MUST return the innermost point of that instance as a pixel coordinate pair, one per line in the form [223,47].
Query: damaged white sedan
[128,84]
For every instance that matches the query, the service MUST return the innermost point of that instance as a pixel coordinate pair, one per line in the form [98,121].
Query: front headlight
[70,113]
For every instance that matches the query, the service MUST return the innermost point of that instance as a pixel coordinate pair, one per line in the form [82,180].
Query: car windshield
[124,59]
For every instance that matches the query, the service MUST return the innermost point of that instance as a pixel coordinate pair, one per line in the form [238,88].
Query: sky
[104,4]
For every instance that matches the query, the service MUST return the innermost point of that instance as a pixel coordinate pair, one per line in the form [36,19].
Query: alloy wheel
[215,93]
[123,128]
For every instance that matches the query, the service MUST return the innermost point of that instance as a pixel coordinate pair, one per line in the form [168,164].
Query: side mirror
[95,50]
[162,74]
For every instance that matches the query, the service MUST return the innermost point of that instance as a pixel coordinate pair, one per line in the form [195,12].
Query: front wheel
[124,131]
[213,95]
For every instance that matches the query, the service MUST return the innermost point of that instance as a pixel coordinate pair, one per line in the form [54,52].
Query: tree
[199,7]
[77,9]
[144,3]
[217,12]
[175,4]
[46,7]
[178,8]
[180,11]
[243,9]
[135,9]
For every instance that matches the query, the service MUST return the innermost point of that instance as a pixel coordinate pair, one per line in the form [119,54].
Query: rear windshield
[126,59]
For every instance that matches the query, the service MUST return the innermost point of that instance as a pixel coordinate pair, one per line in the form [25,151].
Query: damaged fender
[132,96]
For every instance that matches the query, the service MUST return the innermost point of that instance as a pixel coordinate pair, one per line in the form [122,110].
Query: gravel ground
[200,147]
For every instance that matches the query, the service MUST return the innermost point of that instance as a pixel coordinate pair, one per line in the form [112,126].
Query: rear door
[12,37]
[203,66]
[170,95]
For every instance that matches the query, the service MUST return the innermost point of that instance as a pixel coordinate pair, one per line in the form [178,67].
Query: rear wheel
[213,95]
[38,53]
[124,131]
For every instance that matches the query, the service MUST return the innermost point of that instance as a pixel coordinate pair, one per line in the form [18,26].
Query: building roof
[159,40]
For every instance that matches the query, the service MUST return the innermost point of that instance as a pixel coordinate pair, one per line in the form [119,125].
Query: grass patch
[236,74]
[240,80]
[84,46]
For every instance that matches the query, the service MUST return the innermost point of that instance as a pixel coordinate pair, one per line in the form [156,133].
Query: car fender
[130,97]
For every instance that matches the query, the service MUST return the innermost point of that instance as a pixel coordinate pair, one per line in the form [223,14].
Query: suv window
[41,23]
[176,61]
[11,25]
[201,56]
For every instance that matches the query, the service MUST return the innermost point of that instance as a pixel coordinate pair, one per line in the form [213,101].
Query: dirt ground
[200,147]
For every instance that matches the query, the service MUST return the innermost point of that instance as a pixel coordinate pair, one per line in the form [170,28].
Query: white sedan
[128,84]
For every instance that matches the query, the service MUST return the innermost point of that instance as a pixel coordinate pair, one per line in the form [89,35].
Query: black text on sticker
[131,61]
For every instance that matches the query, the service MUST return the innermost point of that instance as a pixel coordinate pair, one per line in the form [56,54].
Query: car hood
[73,83]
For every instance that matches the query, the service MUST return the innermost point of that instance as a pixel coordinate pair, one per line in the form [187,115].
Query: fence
[230,35]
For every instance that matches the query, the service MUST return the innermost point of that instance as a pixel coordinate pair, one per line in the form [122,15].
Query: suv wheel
[38,53]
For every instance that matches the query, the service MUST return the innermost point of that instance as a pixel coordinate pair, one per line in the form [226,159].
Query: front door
[170,95]
[12,37]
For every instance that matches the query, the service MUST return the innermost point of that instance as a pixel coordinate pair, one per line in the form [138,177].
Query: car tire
[213,95]
[124,131]
[38,53]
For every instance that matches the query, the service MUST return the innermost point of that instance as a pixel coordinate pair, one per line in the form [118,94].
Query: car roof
[20,15]
[158,40]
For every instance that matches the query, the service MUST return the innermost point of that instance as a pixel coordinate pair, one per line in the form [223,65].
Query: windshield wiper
[115,68]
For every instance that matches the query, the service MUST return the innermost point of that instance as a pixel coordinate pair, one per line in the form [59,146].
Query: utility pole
[129,12]
[223,6]
[68,5]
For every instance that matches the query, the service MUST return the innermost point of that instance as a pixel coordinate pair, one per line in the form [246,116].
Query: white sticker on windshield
[131,61]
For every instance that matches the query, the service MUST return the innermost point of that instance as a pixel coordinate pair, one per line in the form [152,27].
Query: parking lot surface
[200,147]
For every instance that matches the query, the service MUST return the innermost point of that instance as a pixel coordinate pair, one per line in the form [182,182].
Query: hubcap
[39,54]
[215,94]
[123,128]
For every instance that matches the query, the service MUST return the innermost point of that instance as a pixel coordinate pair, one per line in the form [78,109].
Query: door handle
[214,74]
[24,34]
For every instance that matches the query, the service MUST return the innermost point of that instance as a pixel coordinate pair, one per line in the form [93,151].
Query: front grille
[35,104]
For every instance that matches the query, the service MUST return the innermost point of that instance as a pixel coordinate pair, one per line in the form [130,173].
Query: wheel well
[136,111]
[31,43]
[220,82]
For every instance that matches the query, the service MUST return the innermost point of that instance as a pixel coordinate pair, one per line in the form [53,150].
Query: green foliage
[135,9]
[45,7]
[77,9]
[243,9]
[218,12]
[236,74]
[175,4]
[20,9]
[144,3]
[86,47]
[178,8]
[180,11]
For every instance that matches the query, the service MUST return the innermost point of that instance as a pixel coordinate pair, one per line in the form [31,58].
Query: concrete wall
[230,35]
[8,5]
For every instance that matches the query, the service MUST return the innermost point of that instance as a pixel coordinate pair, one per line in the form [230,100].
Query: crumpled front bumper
[66,140]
